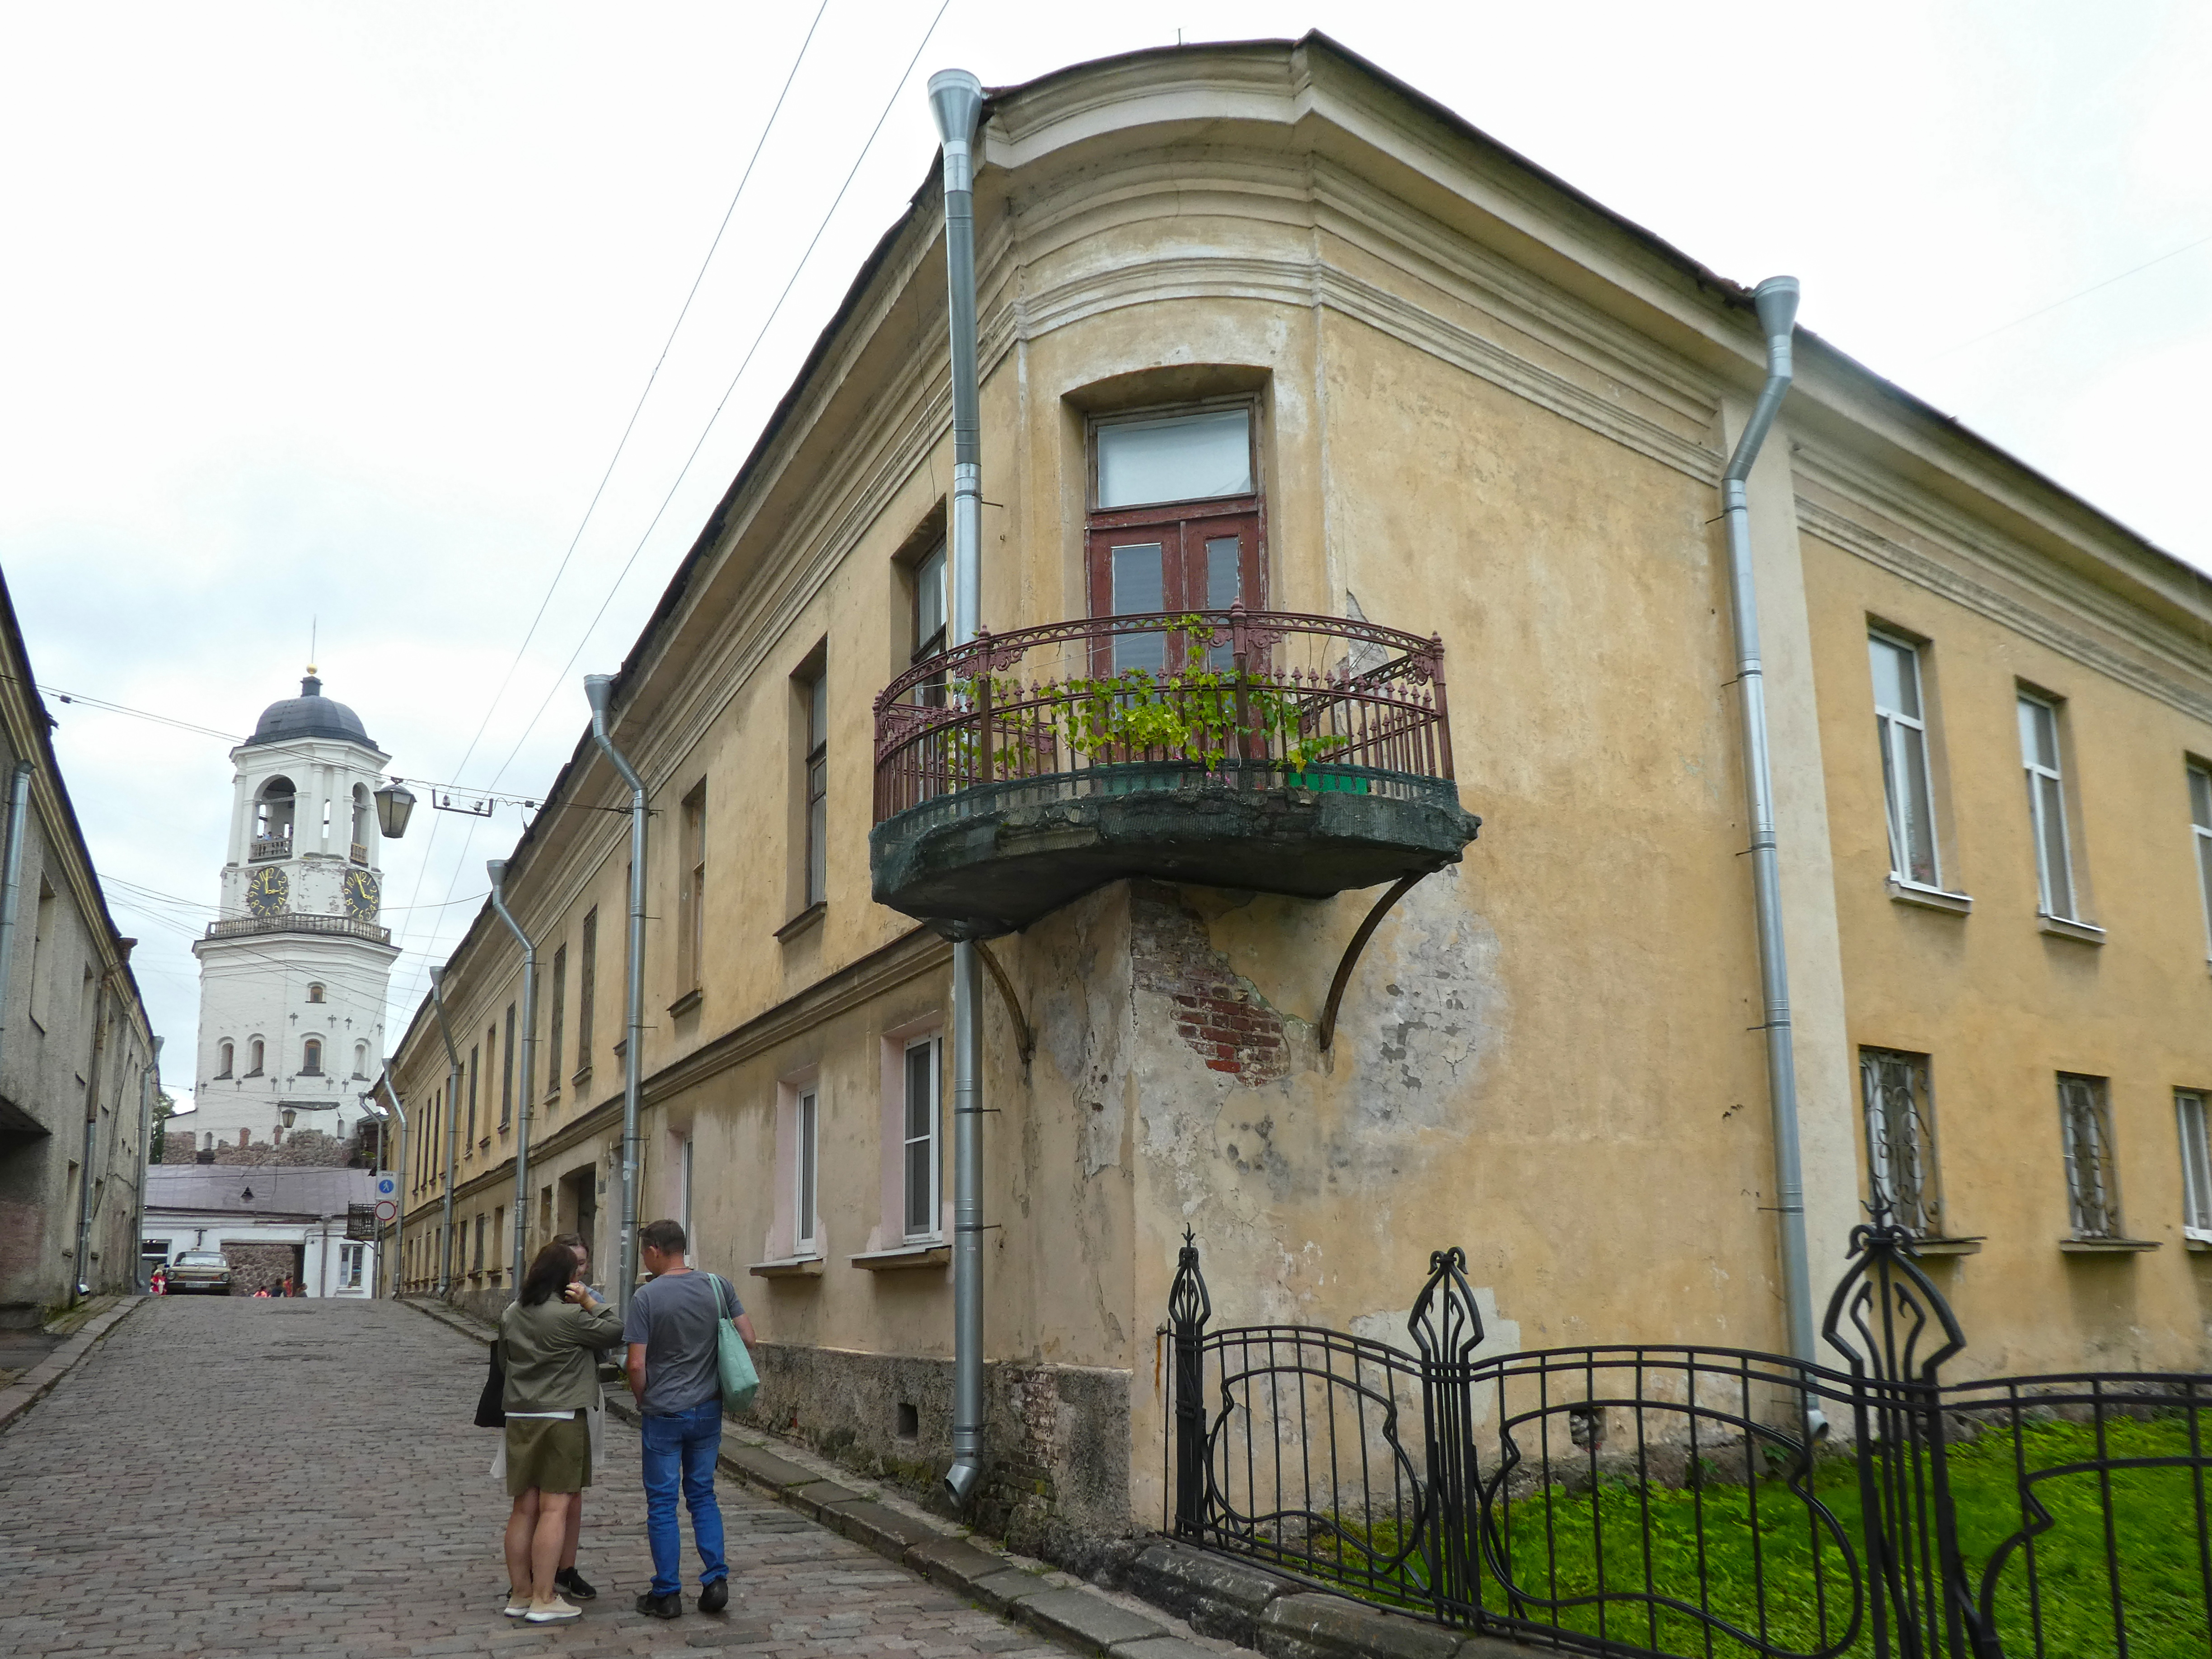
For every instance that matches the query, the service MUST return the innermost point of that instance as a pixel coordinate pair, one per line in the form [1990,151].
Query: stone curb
[1218,1596]
[34,1384]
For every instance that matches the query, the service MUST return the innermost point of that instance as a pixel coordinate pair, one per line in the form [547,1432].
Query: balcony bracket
[1024,1038]
[1398,890]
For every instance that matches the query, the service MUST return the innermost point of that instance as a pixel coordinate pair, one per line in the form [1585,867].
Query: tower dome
[310,715]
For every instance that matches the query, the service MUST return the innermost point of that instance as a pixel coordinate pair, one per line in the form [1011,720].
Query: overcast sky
[339,313]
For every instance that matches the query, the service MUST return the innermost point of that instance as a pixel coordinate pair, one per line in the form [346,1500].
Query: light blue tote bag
[740,1382]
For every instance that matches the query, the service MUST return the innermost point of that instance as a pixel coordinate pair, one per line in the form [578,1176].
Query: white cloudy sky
[339,313]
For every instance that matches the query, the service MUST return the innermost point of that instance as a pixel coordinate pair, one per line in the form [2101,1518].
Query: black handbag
[491,1403]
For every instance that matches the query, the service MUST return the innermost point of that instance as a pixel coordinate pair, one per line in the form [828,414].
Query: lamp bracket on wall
[1398,890]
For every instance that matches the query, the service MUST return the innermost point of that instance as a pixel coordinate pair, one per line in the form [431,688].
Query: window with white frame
[1899,1113]
[1901,725]
[806,1123]
[2200,814]
[351,1257]
[918,1162]
[2046,806]
[2195,1165]
[2092,1188]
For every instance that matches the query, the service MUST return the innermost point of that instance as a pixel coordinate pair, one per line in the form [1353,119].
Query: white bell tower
[295,970]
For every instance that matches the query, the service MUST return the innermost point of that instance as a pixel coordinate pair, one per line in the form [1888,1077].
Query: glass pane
[803,1229]
[1896,676]
[2057,880]
[1138,589]
[1176,458]
[817,849]
[2196,1161]
[2039,734]
[818,712]
[918,1219]
[929,601]
[1224,571]
[2204,868]
[1918,820]
[2200,797]
[918,1092]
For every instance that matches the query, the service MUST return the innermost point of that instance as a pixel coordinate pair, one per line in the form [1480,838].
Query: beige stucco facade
[1484,408]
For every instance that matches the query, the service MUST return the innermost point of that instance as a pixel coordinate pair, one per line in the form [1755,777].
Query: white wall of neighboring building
[334,1266]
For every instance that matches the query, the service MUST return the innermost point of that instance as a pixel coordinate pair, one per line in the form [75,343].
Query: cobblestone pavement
[233,1476]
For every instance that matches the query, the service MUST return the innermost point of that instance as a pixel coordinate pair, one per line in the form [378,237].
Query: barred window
[2092,1188]
[2195,1165]
[1900,1137]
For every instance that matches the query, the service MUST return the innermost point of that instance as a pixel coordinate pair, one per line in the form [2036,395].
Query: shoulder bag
[740,1382]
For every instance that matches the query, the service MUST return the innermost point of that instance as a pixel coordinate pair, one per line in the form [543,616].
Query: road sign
[386,1210]
[387,1186]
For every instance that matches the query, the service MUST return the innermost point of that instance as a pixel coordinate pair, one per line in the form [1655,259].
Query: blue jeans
[683,1446]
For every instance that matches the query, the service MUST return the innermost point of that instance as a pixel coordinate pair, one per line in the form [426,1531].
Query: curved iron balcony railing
[1263,749]
[241,927]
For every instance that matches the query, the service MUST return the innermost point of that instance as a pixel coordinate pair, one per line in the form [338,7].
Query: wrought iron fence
[1696,1501]
[1253,699]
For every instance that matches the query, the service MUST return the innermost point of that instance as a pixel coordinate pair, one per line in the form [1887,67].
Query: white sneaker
[552,1612]
[516,1609]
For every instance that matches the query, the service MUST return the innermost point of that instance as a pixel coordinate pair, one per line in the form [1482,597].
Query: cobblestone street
[224,1477]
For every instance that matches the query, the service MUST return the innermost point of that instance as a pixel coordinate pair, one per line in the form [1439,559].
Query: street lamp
[395,803]
[288,1116]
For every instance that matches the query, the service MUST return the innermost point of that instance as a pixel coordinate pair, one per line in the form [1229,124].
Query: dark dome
[310,715]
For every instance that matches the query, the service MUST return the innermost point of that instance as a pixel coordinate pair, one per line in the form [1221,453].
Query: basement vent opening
[909,1422]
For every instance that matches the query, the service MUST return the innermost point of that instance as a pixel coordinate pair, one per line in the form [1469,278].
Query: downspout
[19,802]
[599,688]
[399,1219]
[956,99]
[1776,301]
[140,1280]
[91,1134]
[497,868]
[452,1129]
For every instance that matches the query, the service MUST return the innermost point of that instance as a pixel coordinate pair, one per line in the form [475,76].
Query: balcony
[269,847]
[244,926]
[1275,752]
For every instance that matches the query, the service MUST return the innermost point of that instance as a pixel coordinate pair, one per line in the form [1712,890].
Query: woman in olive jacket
[549,1340]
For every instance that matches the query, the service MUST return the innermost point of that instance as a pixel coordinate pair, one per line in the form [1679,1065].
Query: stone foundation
[256,1267]
[292,1149]
[1055,1447]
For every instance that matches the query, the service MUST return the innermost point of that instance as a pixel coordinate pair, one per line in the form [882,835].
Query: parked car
[206,1271]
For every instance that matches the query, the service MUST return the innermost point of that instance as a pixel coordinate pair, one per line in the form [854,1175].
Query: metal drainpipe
[452,1128]
[599,688]
[1776,301]
[19,802]
[91,1134]
[497,869]
[399,1220]
[139,1279]
[956,99]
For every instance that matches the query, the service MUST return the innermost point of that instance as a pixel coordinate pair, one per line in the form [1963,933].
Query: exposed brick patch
[1219,1012]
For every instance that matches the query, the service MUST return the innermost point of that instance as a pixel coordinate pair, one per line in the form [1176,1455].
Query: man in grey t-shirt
[674,1373]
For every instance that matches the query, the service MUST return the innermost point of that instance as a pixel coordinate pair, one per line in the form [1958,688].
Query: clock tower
[295,969]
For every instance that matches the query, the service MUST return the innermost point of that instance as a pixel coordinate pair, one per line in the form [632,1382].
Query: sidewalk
[27,1390]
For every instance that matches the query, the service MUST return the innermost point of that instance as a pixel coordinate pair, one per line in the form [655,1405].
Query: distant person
[161,1280]
[673,1371]
[262,1294]
[548,1337]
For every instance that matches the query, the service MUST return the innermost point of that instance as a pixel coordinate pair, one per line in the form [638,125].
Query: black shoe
[570,1580]
[661,1606]
[714,1597]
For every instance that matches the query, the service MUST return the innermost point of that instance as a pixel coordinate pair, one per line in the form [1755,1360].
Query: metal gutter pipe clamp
[496,868]
[453,1127]
[956,100]
[1776,301]
[599,690]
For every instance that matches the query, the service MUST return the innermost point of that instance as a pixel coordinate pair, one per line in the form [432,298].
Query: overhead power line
[2079,293]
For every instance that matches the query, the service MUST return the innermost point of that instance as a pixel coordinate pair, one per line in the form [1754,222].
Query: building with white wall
[293,972]
[269,1222]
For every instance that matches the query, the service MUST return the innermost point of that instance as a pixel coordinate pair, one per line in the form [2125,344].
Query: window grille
[817,789]
[2047,806]
[311,1061]
[1901,724]
[920,1161]
[1900,1134]
[587,985]
[2092,1192]
[806,1123]
[553,1022]
[2195,1165]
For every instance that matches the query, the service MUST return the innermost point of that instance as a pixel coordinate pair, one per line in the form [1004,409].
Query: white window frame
[1890,723]
[928,1145]
[2053,775]
[350,1258]
[2189,1113]
[805,1172]
[2200,816]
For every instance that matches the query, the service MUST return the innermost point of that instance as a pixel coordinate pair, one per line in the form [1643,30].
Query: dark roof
[310,715]
[278,1189]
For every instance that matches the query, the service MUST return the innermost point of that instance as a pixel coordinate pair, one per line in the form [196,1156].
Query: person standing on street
[549,1339]
[674,1374]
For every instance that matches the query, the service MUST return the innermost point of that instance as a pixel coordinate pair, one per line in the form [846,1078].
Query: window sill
[1930,899]
[805,920]
[924,1254]
[686,1004]
[622,1048]
[796,1267]
[2060,927]
[580,1078]
[2202,1246]
[2107,1246]
[1947,1246]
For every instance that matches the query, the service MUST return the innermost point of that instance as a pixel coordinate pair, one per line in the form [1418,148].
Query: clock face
[360,894]
[266,892]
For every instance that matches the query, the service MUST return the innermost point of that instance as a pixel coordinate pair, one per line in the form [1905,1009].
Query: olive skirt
[552,1454]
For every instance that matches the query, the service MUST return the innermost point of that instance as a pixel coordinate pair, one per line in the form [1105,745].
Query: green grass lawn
[2154,1515]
